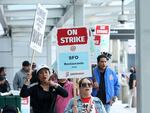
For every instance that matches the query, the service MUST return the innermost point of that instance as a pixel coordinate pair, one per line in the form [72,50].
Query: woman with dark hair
[85,103]
[43,94]
[4,84]
[2,71]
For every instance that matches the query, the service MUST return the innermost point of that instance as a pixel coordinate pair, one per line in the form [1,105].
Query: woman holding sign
[43,94]
[85,102]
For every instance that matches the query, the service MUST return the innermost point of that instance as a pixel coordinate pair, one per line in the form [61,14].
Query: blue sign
[73,61]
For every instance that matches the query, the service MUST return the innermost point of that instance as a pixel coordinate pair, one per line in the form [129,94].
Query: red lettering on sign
[24,101]
[97,40]
[72,36]
[103,29]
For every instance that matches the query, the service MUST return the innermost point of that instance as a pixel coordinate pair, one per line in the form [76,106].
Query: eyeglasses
[83,85]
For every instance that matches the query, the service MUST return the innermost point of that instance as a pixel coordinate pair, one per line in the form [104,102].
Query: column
[78,14]
[143,55]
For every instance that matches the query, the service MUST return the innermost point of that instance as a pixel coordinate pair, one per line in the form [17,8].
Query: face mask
[131,71]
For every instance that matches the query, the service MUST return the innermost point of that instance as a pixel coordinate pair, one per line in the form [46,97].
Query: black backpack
[10,109]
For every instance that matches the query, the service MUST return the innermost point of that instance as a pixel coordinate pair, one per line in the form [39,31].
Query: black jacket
[42,101]
[5,87]
[131,78]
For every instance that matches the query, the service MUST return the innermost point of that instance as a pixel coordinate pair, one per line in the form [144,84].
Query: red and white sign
[72,36]
[104,32]
[25,105]
[102,29]
[25,101]
[97,40]
[73,53]
[100,37]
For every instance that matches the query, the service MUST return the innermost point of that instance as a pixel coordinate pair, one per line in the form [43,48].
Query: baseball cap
[42,66]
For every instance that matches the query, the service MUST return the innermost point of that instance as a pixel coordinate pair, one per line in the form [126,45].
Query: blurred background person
[33,66]
[2,71]
[62,102]
[34,78]
[4,85]
[21,75]
[132,86]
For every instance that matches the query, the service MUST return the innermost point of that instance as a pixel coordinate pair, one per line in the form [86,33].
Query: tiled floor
[118,107]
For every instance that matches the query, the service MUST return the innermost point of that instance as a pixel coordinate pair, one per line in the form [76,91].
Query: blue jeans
[107,107]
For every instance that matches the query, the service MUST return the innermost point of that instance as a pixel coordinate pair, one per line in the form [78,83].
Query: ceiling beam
[115,15]
[34,2]
[21,34]
[91,10]
[97,2]
[26,29]
[69,12]
[28,34]
[52,13]
[63,19]
[67,15]
[2,18]
[49,22]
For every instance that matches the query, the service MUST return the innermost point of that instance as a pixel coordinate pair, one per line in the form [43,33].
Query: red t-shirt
[88,105]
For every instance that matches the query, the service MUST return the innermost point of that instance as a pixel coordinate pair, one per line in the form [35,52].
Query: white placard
[25,105]
[104,32]
[38,29]
[131,46]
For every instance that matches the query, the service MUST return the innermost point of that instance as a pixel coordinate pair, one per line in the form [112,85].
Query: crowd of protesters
[49,94]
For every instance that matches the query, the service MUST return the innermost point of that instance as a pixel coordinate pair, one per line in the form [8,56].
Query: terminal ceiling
[17,16]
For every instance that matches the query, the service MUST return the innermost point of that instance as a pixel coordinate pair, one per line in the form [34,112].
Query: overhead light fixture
[122,18]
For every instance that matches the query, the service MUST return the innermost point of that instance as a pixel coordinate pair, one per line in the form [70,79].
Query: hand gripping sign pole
[37,36]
